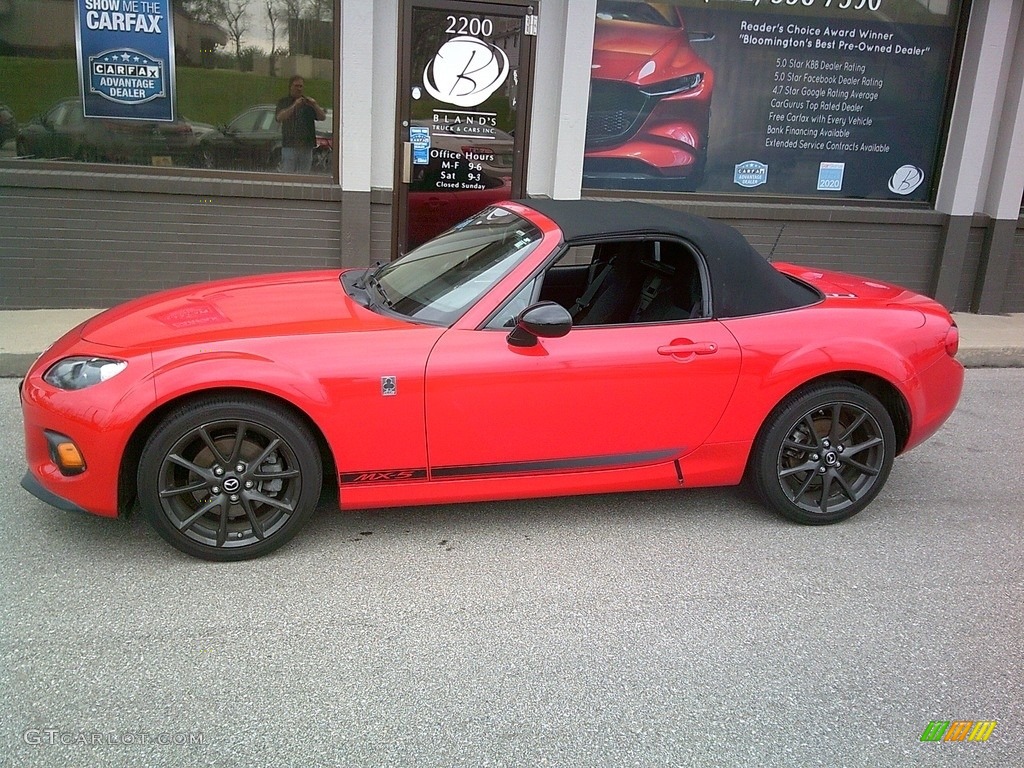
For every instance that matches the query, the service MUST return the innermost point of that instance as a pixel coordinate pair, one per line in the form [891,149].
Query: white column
[561,96]
[978,109]
[355,95]
[1006,180]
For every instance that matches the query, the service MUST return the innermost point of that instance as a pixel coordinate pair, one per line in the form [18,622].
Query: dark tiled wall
[76,246]
[87,248]
[1013,298]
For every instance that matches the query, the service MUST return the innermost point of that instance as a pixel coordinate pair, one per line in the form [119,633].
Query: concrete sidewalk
[986,341]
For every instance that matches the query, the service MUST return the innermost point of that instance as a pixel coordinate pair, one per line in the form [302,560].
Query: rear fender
[765,381]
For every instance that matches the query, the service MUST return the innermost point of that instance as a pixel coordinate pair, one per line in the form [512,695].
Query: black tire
[229,478]
[824,454]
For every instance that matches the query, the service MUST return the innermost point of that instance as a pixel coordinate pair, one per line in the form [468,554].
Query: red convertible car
[535,349]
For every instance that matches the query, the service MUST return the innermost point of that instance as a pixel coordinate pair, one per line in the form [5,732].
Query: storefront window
[170,83]
[818,98]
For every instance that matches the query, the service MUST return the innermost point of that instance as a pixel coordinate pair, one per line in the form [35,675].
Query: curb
[991,357]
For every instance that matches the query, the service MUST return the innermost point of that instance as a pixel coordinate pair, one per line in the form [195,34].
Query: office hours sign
[126,58]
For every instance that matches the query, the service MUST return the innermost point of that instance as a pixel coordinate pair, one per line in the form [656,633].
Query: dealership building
[880,137]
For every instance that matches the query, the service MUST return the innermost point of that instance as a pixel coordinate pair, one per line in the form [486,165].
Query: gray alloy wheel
[229,478]
[824,454]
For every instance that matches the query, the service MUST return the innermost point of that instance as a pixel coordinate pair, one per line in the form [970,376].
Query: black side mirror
[547,320]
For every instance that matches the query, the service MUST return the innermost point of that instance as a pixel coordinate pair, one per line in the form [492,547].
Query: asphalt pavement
[675,628]
[986,341]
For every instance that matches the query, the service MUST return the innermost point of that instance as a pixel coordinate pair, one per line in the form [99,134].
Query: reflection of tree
[427,38]
[310,27]
[273,9]
[314,10]
[229,14]
[233,14]
[200,10]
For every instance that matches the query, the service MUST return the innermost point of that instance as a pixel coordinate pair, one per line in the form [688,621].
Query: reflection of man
[297,114]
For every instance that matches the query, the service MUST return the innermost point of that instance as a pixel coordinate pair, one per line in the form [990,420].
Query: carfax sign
[126,58]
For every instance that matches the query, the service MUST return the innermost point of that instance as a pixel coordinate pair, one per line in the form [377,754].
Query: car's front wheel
[229,478]
[824,454]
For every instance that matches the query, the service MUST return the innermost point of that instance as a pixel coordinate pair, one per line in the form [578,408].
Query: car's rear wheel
[229,478]
[824,454]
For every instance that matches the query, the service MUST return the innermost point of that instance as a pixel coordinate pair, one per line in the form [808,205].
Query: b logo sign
[465,71]
[906,179]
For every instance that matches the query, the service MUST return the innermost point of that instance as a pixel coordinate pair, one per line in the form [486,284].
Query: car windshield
[438,281]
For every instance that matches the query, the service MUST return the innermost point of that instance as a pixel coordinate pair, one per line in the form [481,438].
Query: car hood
[298,303]
[622,50]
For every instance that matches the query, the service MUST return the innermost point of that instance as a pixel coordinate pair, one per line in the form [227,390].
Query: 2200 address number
[466,25]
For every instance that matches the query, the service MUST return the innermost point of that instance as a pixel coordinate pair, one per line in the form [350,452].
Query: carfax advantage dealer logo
[958,730]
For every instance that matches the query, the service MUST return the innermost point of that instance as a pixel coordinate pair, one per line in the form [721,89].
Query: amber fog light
[65,454]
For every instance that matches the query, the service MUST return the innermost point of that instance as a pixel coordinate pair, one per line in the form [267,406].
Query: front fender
[176,376]
[336,380]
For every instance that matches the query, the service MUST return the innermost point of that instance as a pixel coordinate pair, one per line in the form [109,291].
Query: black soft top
[742,280]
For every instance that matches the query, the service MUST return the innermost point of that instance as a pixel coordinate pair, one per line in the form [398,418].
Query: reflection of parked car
[8,125]
[64,133]
[650,95]
[251,141]
[504,367]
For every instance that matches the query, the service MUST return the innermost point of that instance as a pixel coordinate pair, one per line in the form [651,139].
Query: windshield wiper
[374,283]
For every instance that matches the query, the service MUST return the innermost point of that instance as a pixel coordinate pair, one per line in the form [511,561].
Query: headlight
[82,372]
[672,87]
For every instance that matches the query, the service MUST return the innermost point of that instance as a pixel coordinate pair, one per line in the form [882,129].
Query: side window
[74,115]
[245,122]
[625,282]
[617,283]
[268,123]
[56,115]
[521,299]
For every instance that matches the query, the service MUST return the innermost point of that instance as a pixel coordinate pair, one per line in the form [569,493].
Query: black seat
[616,286]
[671,289]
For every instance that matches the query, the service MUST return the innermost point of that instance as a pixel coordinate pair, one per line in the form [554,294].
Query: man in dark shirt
[297,114]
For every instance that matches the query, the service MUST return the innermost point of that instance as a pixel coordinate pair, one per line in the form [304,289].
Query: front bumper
[33,486]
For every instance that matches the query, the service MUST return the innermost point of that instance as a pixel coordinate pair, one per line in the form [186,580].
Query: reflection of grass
[30,86]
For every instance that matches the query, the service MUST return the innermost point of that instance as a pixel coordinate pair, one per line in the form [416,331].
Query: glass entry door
[462,122]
